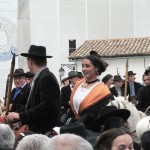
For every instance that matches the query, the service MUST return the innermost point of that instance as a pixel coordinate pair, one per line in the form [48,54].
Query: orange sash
[97,94]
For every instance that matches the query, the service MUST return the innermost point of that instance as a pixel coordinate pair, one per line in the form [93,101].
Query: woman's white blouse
[80,94]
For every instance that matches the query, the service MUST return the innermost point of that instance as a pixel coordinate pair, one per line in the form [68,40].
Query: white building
[53,23]
[116,52]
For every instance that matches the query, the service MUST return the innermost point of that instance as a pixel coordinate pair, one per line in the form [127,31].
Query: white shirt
[80,94]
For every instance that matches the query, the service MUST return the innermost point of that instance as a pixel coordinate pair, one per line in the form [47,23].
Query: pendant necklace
[87,83]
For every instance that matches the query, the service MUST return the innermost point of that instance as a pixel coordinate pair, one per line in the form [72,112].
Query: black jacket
[65,97]
[137,86]
[18,104]
[43,108]
[114,92]
[143,98]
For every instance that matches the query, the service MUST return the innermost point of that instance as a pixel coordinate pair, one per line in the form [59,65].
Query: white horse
[135,115]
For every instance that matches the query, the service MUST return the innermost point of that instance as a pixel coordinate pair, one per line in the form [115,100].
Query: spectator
[20,93]
[116,90]
[108,80]
[146,79]
[21,136]
[80,75]
[7,137]
[29,77]
[147,72]
[115,139]
[68,142]
[143,98]
[79,128]
[145,140]
[66,91]
[132,87]
[33,142]
[65,81]
[143,126]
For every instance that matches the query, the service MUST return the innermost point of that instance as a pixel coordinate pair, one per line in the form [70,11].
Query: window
[72,46]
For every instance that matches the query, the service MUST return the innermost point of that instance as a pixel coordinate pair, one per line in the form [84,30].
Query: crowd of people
[77,116]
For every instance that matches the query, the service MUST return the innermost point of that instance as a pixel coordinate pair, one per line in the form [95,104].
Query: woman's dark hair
[106,78]
[145,140]
[105,140]
[97,62]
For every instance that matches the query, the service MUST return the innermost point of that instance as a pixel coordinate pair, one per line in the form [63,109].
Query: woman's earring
[97,72]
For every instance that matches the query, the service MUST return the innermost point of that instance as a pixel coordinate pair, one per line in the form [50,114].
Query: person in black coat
[117,90]
[143,98]
[20,93]
[43,107]
[66,91]
[132,87]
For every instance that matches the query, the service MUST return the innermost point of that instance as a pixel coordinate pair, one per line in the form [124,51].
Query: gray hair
[142,126]
[68,142]
[35,142]
[7,137]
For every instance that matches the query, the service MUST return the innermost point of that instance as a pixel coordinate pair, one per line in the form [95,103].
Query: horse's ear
[128,97]
[115,97]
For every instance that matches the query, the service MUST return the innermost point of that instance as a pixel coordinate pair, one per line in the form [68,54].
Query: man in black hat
[116,90]
[20,93]
[132,87]
[43,107]
[147,72]
[66,91]
[29,77]
[144,93]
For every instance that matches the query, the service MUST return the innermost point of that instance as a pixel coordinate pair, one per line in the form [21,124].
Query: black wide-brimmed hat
[36,51]
[29,74]
[79,128]
[19,72]
[117,78]
[108,112]
[131,73]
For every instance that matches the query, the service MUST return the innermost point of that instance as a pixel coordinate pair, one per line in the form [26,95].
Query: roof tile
[114,47]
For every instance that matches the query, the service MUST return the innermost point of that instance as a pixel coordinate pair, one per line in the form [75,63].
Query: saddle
[18,128]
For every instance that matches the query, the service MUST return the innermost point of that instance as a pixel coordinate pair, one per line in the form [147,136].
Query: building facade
[53,23]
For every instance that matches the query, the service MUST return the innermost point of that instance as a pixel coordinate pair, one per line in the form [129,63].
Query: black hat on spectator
[29,74]
[131,73]
[117,78]
[19,72]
